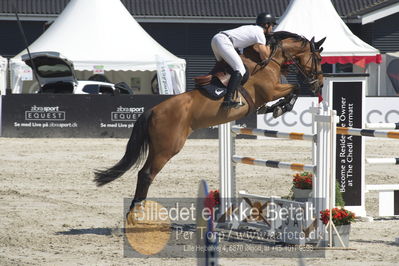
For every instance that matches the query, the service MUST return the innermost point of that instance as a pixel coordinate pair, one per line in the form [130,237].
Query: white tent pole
[378,79]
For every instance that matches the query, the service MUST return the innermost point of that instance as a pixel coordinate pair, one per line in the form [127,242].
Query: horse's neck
[262,80]
[263,83]
[277,58]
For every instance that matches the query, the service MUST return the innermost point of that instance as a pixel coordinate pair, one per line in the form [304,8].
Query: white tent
[101,33]
[3,75]
[319,18]
[394,54]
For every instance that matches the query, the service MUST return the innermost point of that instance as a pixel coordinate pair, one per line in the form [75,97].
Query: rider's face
[268,28]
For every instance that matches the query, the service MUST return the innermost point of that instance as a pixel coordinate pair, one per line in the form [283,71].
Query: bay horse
[160,133]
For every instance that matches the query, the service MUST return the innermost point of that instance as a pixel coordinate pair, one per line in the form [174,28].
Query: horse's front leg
[283,105]
[282,90]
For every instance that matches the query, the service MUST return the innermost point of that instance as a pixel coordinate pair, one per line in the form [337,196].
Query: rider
[225,43]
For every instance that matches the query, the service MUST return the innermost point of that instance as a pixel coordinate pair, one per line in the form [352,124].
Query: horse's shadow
[103,231]
[106,231]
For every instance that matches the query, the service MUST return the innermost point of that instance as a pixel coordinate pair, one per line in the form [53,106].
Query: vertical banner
[164,77]
[3,75]
[98,69]
[347,101]
[26,74]
[396,202]
[345,92]
[1,112]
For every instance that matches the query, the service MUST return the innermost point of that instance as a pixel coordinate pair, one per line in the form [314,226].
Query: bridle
[309,77]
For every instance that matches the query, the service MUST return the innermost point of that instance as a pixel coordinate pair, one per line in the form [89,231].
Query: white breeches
[223,48]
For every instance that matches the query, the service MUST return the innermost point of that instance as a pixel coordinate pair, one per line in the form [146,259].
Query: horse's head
[310,60]
[304,54]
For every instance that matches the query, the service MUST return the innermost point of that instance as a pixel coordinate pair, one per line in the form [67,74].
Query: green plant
[339,200]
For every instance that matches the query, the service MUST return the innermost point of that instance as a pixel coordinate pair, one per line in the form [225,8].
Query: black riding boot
[234,82]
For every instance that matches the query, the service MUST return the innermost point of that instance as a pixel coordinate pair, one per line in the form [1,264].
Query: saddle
[214,85]
[221,71]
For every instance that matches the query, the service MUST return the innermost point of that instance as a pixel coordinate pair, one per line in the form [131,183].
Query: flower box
[302,195]
[344,231]
[342,220]
[302,186]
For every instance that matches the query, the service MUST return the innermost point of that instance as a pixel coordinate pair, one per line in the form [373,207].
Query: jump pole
[391,161]
[389,126]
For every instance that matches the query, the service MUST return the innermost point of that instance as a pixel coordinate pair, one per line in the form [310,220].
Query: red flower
[303,180]
[340,216]
[213,199]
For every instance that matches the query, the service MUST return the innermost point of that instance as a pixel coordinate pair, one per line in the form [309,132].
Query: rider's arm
[263,50]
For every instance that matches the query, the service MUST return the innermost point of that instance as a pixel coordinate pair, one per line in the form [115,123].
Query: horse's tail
[136,152]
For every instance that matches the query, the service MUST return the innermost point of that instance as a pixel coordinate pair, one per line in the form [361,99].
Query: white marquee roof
[394,54]
[92,32]
[319,18]
[101,33]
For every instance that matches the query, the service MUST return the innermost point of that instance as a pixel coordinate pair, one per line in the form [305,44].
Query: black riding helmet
[265,18]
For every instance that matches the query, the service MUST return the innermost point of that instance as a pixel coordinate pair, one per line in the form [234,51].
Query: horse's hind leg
[157,158]
[165,141]
[155,162]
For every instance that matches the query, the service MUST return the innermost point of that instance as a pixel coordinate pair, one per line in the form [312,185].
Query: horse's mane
[274,38]
[281,35]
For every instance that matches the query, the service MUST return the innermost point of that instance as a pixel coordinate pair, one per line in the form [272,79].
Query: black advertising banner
[81,116]
[347,101]
[73,115]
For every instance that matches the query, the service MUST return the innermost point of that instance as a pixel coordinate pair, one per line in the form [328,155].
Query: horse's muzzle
[316,86]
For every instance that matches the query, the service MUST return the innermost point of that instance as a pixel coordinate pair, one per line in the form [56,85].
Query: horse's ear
[319,43]
[312,45]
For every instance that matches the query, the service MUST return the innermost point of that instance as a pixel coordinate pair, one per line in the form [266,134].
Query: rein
[264,63]
[310,77]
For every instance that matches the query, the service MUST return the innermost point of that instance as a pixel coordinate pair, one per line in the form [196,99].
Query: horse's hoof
[146,230]
[135,214]
[278,111]
[131,219]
